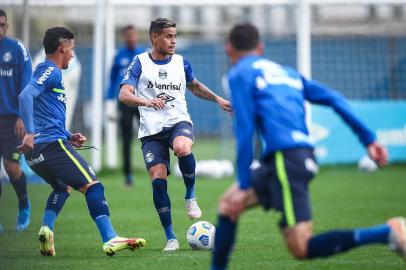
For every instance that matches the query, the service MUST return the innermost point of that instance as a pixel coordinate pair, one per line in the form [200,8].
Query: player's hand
[378,153]
[20,128]
[224,104]
[157,104]
[27,145]
[237,204]
[77,139]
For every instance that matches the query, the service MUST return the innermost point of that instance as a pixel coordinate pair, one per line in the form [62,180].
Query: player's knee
[298,250]
[158,171]
[13,170]
[182,150]
[223,208]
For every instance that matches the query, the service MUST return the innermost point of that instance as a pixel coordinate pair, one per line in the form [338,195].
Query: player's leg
[226,227]
[126,124]
[294,169]
[156,157]
[182,143]
[19,183]
[74,171]
[1,225]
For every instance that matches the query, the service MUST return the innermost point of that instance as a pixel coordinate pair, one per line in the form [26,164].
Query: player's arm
[26,102]
[318,93]
[127,93]
[202,91]
[25,72]
[128,97]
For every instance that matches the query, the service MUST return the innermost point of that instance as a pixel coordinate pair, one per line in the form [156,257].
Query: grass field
[342,198]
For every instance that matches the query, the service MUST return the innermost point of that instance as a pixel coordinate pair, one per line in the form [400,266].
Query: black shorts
[155,148]
[8,139]
[60,165]
[281,182]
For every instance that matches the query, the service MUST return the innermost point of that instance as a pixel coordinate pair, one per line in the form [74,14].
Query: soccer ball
[201,235]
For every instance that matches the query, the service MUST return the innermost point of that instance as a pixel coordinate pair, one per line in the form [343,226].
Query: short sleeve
[133,73]
[188,71]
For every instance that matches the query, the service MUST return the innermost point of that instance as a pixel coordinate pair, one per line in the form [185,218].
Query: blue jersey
[121,62]
[43,104]
[15,72]
[270,98]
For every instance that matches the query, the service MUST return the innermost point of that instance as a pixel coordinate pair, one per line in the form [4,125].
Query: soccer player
[121,62]
[270,97]
[15,72]
[49,147]
[156,82]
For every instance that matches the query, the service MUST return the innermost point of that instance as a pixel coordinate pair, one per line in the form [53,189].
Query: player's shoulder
[45,71]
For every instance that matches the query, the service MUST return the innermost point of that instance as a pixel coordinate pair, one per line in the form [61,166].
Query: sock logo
[188,175]
[163,210]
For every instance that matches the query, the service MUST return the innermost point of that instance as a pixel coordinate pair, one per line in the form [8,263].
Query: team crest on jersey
[162,74]
[7,57]
[149,157]
[62,98]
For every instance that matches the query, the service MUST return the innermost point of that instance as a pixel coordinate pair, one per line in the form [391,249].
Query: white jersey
[166,81]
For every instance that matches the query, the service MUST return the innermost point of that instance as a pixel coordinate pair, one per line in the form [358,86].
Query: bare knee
[13,169]
[297,239]
[158,171]
[182,150]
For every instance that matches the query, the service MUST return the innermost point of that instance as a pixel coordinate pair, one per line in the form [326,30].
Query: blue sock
[187,166]
[372,235]
[20,187]
[224,241]
[163,205]
[55,203]
[330,243]
[105,228]
[97,204]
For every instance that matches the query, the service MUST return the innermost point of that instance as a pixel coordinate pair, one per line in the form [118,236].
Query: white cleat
[397,236]
[193,209]
[171,245]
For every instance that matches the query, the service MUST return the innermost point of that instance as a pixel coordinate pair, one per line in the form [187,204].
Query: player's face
[130,38]
[67,54]
[3,26]
[166,41]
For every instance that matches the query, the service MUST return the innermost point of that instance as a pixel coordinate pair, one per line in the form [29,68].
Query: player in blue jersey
[270,98]
[15,72]
[156,83]
[121,62]
[49,147]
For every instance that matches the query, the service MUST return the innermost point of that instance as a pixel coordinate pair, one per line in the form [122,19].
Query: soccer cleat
[192,208]
[46,241]
[171,245]
[397,236]
[23,219]
[118,243]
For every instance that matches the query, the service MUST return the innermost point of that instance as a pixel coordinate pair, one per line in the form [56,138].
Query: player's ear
[260,48]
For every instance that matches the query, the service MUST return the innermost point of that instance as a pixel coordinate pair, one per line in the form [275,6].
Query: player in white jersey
[156,82]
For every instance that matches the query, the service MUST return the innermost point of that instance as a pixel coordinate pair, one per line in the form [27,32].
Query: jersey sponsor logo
[149,157]
[36,160]
[6,72]
[7,57]
[162,74]
[24,50]
[62,98]
[275,74]
[45,75]
[159,86]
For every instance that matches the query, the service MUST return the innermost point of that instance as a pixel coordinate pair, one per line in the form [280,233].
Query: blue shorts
[60,165]
[281,182]
[8,139]
[155,148]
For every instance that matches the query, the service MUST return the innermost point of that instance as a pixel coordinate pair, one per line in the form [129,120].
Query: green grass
[342,197]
